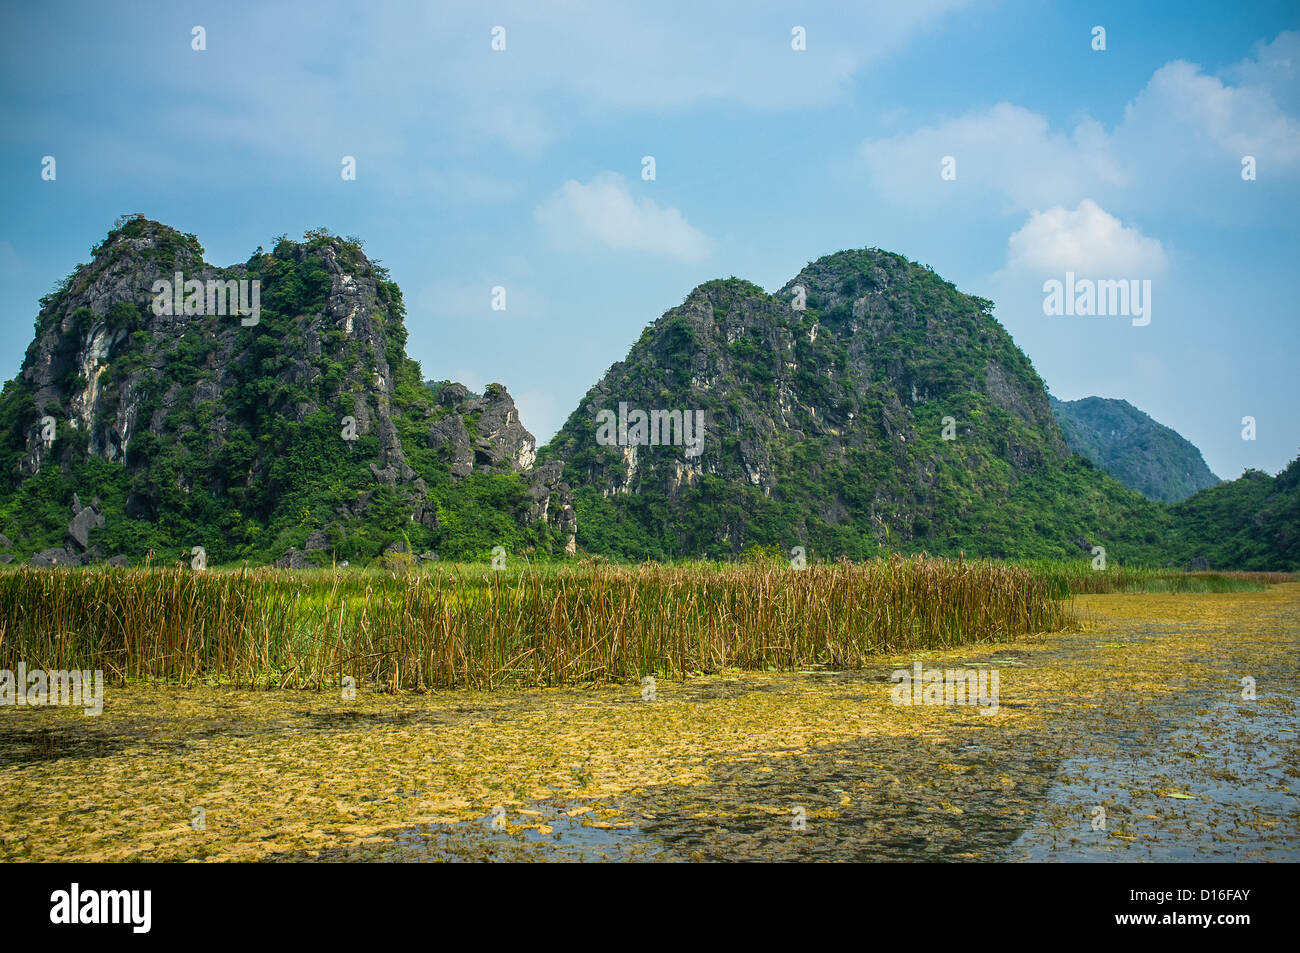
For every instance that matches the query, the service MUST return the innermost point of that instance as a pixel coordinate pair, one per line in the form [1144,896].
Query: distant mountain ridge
[1138,451]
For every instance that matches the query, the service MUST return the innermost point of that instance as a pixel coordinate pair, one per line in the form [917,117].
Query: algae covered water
[1139,714]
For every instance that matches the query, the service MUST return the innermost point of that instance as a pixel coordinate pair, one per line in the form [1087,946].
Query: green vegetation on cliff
[866,408]
[892,413]
[196,430]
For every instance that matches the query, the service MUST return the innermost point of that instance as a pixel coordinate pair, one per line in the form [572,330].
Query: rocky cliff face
[75,366]
[244,431]
[1139,452]
[482,433]
[480,430]
[866,404]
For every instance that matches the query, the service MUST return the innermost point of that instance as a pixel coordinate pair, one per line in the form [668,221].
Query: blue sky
[522,167]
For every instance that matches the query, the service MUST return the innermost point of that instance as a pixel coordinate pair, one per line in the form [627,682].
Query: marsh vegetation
[471,627]
[1137,709]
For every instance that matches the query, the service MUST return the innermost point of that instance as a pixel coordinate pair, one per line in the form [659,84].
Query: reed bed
[1256,578]
[1079,578]
[469,627]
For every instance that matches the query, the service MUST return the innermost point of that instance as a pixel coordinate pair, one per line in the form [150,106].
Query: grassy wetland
[472,627]
[505,715]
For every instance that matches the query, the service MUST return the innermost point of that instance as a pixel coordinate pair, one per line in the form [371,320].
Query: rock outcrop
[865,406]
[236,429]
[84,519]
[480,432]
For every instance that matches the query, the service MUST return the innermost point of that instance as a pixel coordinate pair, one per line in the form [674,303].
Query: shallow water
[1225,778]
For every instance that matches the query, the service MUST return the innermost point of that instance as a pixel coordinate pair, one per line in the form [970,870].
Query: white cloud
[604,213]
[1178,145]
[1274,67]
[658,56]
[1088,241]
[1006,149]
[1200,117]
[408,83]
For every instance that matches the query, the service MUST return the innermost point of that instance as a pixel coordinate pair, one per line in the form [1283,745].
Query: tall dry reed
[462,626]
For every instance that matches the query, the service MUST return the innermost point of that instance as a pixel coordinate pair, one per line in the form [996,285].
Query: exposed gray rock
[86,519]
[318,540]
[292,559]
[453,394]
[552,502]
[499,440]
[80,348]
[502,439]
[426,513]
[449,437]
[99,339]
[78,339]
[119,560]
[58,557]
[387,476]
